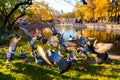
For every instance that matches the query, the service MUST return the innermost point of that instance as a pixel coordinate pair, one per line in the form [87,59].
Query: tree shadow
[2,58]
[37,72]
[83,68]
[88,68]
[116,62]
[32,71]
[6,77]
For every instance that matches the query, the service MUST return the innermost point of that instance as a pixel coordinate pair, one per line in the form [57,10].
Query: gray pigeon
[53,57]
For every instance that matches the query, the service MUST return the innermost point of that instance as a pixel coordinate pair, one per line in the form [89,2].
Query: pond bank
[107,27]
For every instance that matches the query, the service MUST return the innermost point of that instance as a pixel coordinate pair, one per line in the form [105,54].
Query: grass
[19,70]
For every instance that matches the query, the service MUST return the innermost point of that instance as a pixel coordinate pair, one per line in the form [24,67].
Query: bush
[5,37]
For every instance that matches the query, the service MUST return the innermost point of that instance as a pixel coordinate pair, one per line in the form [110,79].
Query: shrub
[5,37]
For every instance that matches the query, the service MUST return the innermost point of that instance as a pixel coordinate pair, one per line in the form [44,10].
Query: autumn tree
[68,15]
[97,9]
[79,12]
[85,11]
[40,11]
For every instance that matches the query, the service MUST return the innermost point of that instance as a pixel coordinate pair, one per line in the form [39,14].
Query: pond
[100,33]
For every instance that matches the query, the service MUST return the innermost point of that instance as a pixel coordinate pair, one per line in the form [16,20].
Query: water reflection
[67,30]
[102,34]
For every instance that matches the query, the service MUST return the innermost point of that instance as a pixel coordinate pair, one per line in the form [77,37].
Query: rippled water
[101,34]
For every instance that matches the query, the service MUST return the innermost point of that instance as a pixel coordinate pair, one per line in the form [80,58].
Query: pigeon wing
[13,44]
[43,55]
[103,47]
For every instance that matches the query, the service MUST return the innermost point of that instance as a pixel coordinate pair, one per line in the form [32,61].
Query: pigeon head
[43,40]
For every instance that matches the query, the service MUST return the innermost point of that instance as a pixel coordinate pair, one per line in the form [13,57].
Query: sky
[61,5]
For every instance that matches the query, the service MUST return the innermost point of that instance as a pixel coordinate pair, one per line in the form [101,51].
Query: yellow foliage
[40,10]
[95,9]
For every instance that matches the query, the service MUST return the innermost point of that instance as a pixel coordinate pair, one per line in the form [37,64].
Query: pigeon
[71,38]
[52,57]
[12,48]
[102,47]
[54,31]
[22,54]
[72,57]
[84,2]
[32,42]
[38,59]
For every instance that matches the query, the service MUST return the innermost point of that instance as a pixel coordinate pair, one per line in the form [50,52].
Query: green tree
[10,11]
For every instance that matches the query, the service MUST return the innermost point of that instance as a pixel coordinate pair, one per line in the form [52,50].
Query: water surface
[100,33]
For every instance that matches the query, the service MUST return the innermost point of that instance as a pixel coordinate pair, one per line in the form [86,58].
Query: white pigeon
[13,44]
[102,47]
[43,54]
